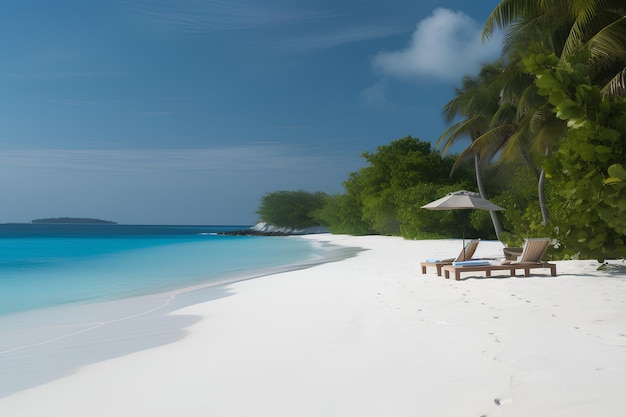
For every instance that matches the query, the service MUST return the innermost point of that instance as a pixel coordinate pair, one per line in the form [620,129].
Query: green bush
[292,208]
[588,171]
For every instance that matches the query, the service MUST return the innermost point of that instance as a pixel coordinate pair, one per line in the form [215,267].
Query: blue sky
[189,111]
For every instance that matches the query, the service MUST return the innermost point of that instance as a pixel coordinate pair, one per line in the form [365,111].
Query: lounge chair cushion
[475,262]
[434,261]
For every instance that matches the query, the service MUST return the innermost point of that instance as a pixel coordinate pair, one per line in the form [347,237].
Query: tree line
[546,124]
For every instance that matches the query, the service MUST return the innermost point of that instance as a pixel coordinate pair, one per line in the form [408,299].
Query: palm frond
[508,12]
[546,130]
[609,42]
[465,129]
[505,115]
[453,108]
[617,85]
[585,12]
[529,100]
[520,140]
[584,9]
[491,142]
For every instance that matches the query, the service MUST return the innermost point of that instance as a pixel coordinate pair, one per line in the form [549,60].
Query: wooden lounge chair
[511,254]
[532,252]
[465,255]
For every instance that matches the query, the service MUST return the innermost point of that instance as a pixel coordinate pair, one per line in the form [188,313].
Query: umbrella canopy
[462,200]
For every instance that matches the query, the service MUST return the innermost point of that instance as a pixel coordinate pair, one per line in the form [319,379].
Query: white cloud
[445,46]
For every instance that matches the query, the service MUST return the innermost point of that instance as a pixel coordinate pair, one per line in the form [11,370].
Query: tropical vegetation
[292,209]
[546,126]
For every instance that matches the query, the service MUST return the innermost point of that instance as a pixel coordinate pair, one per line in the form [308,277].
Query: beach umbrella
[460,200]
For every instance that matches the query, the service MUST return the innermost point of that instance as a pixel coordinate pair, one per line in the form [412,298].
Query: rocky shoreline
[265,229]
[252,232]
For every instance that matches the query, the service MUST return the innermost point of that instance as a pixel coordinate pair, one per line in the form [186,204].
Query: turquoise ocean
[72,295]
[45,265]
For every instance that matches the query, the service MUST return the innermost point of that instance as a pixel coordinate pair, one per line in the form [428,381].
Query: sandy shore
[368,336]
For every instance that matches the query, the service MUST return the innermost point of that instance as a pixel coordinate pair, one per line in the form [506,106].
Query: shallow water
[73,297]
[47,266]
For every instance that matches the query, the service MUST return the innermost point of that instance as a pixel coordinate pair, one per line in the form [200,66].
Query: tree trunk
[481,190]
[542,197]
[543,204]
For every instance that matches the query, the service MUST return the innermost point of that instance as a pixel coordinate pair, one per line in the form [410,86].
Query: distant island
[72,220]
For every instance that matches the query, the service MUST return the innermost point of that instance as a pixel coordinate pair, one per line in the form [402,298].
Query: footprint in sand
[610,369]
[503,401]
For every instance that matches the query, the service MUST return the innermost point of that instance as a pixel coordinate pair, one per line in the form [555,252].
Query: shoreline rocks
[266,229]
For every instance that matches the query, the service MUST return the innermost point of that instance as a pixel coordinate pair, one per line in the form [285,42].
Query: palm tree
[566,26]
[600,27]
[476,102]
[524,126]
[563,27]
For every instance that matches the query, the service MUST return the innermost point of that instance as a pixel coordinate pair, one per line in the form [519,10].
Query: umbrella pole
[464,254]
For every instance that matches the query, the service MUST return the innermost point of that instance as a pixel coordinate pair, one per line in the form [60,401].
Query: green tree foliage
[292,208]
[394,168]
[418,223]
[552,112]
[386,196]
[562,27]
[477,104]
[343,214]
[588,171]
[514,187]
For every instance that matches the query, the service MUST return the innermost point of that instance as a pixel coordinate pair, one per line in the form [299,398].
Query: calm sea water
[72,295]
[44,265]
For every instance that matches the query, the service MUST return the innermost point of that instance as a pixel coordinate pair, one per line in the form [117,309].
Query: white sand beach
[369,336]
